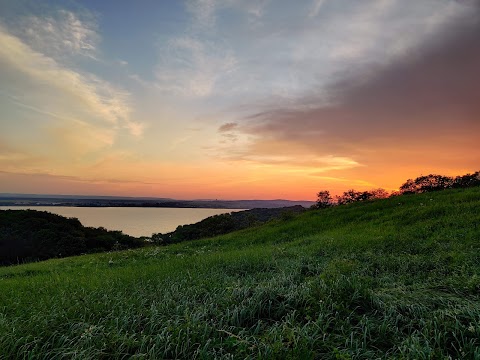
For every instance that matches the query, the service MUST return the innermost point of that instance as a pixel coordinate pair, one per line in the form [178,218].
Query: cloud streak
[69,93]
[204,12]
[62,34]
[227,127]
[68,117]
[193,68]
[316,7]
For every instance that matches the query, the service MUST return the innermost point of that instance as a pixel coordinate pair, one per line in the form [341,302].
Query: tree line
[29,235]
[421,184]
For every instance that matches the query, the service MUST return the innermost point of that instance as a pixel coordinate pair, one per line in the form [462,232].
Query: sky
[236,99]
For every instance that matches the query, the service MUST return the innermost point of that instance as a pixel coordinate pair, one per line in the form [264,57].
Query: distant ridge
[8,199]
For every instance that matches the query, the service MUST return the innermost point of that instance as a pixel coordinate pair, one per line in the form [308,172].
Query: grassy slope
[396,278]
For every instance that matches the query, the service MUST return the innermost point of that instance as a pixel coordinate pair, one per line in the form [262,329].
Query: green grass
[396,278]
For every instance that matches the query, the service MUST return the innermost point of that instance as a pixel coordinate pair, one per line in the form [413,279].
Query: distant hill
[112,201]
[226,223]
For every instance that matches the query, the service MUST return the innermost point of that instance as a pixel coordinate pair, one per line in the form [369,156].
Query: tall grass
[395,278]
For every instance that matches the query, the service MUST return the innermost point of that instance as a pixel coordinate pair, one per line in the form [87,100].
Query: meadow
[397,278]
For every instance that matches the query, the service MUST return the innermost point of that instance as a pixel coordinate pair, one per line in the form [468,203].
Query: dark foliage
[421,184]
[225,223]
[467,180]
[324,200]
[351,196]
[426,183]
[433,182]
[28,235]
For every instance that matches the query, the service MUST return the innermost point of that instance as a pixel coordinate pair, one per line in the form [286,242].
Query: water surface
[135,221]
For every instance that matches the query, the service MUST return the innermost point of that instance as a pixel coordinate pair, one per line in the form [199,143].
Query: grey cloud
[432,93]
[227,127]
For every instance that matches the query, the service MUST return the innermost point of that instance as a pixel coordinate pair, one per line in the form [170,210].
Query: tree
[467,180]
[324,200]
[379,193]
[351,196]
[408,187]
[426,183]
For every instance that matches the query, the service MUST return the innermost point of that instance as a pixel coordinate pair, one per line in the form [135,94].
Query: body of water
[135,221]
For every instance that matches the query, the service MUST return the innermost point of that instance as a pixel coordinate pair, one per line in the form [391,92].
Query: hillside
[225,223]
[394,278]
[29,235]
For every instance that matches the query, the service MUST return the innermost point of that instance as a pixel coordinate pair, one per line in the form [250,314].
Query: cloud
[227,132]
[342,38]
[192,68]
[204,12]
[316,7]
[318,164]
[135,128]
[176,142]
[227,127]
[264,150]
[98,96]
[61,116]
[273,58]
[418,104]
[281,60]
[61,34]
[40,80]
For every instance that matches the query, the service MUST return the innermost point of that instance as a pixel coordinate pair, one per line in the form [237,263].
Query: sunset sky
[236,99]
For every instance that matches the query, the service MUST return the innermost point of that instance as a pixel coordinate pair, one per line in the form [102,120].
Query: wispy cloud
[69,93]
[75,114]
[204,12]
[316,7]
[135,128]
[62,34]
[227,127]
[295,163]
[191,67]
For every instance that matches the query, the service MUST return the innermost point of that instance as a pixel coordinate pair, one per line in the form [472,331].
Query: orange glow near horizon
[270,184]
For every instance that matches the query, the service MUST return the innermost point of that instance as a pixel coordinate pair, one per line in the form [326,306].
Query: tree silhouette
[467,180]
[324,200]
[426,183]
